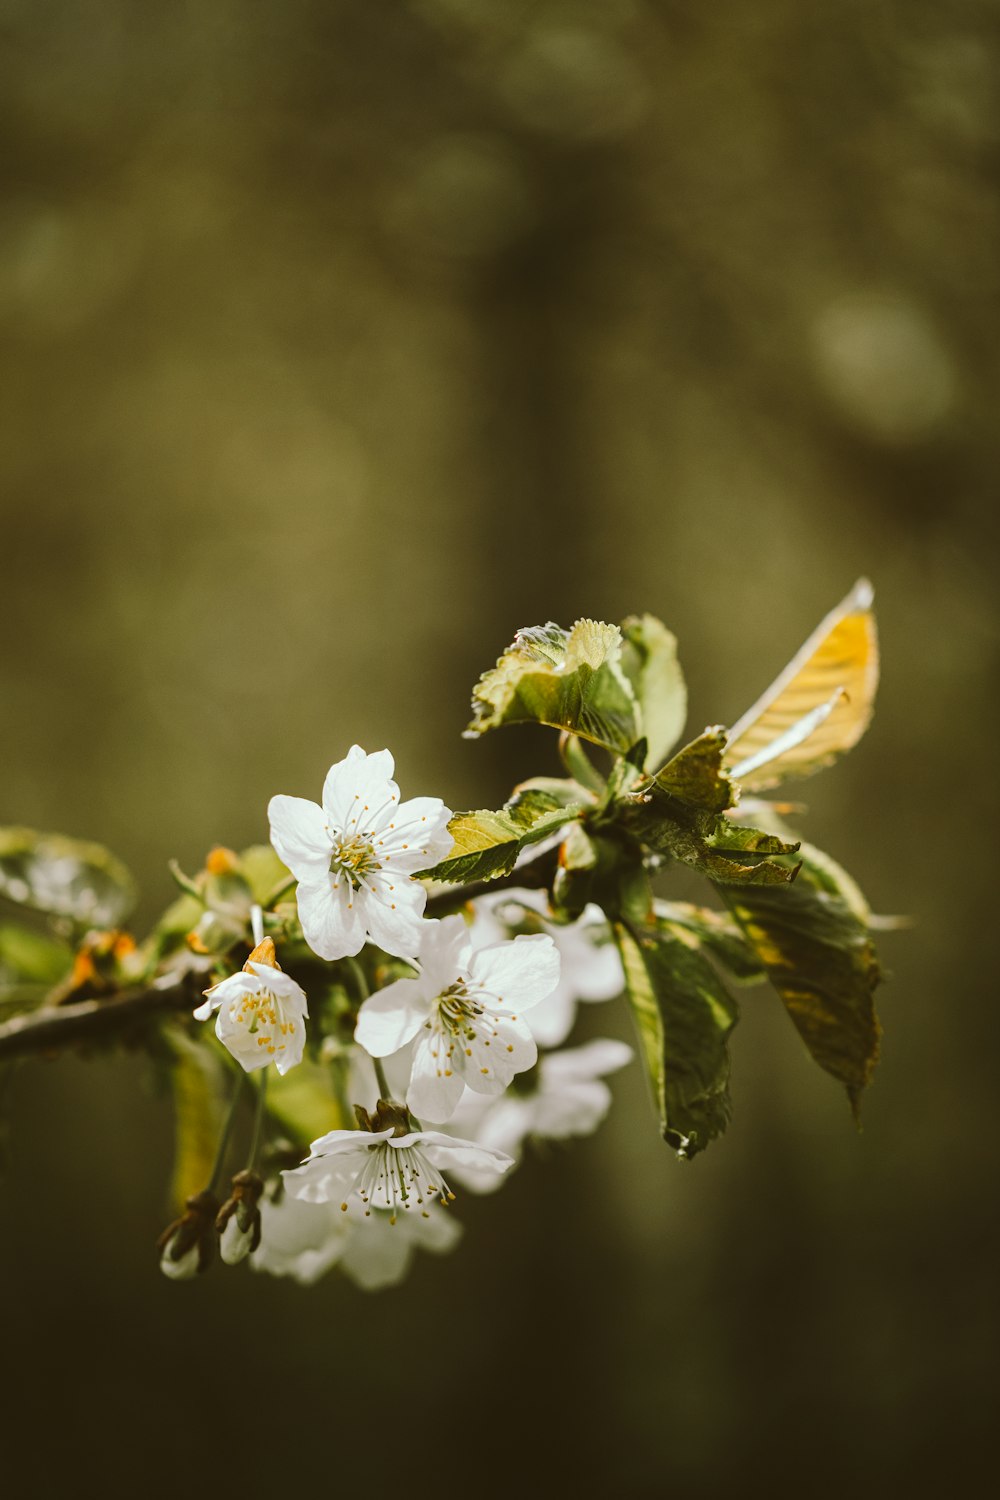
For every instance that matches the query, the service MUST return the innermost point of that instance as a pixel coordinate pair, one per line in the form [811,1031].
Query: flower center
[400,1177]
[354,855]
[262,1014]
[458,1011]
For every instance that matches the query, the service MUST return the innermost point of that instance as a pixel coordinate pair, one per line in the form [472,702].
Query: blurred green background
[340,339]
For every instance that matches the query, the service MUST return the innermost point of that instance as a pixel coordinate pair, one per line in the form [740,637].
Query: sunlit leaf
[683,1014]
[262,870]
[649,660]
[829,687]
[305,1105]
[486,844]
[818,953]
[695,775]
[64,877]
[200,1082]
[678,813]
[569,679]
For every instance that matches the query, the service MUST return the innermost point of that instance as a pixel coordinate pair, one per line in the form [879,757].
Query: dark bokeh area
[338,341]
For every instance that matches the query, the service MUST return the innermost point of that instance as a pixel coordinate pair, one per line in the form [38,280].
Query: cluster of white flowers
[462,1033]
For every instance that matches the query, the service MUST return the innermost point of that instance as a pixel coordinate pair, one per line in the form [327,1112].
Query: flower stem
[258,1124]
[383,1082]
[227,1130]
[357,974]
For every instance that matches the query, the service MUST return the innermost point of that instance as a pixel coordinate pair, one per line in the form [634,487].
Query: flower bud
[238,1220]
[187,1245]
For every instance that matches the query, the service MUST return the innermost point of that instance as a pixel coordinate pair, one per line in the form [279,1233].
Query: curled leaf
[569,679]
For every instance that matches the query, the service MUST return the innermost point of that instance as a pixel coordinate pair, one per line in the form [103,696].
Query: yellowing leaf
[819,706]
[486,844]
[813,941]
[199,1083]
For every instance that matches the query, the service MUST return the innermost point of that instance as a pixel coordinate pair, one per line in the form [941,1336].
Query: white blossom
[300,1239]
[261,1013]
[570,1099]
[379,1252]
[354,857]
[464,1014]
[305,1240]
[184,1268]
[235,1243]
[364,1170]
[590,966]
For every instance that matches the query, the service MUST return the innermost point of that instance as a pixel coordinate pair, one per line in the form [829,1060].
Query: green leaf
[818,953]
[31,963]
[304,1103]
[199,1085]
[488,843]
[696,776]
[683,1014]
[649,661]
[569,679]
[712,844]
[64,877]
[262,870]
[717,933]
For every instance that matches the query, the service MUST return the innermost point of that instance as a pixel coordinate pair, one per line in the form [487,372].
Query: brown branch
[54,1026]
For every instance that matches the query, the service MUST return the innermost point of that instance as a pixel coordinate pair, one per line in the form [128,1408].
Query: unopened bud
[187,1245]
[238,1220]
[263,954]
[222,861]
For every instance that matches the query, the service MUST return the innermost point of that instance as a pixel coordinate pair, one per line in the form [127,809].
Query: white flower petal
[299,836]
[415,833]
[444,952]
[594,1060]
[300,1239]
[551,1020]
[508,1048]
[445,1150]
[517,974]
[391,1017]
[332,918]
[393,914]
[435,1086]
[575,1108]
[357,780]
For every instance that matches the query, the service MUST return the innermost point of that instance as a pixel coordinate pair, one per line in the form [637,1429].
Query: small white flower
[184,1268]
[300,1239]
[379,1253]
[591,968]
[464,1011]
[261,1013]
[376,1169]
[305,1240]
[354,857]
[235,1243]
[571,1099]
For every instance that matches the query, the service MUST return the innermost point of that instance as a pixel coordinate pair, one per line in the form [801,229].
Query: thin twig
[55,1026]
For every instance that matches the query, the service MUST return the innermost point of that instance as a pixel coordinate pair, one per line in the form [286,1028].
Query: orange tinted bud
[263,954]
[222,861]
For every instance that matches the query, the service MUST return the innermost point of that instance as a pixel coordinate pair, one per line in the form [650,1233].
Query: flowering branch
[53,1027]
[434,962]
